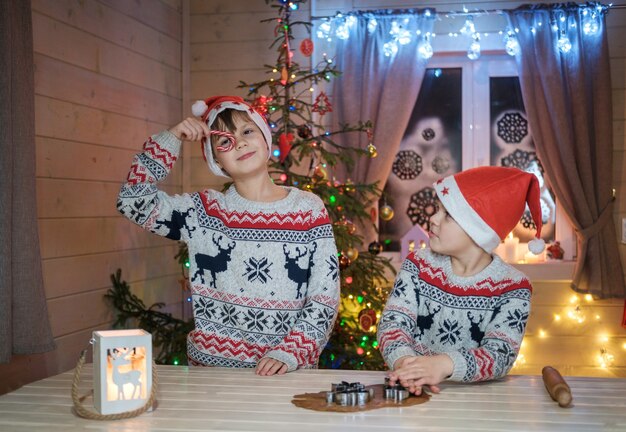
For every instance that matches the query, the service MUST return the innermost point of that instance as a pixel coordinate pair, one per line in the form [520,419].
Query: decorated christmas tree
[305,155]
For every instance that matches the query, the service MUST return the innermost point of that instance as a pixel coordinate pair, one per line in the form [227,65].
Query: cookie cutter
[355,394]
[395,392]
[349,394]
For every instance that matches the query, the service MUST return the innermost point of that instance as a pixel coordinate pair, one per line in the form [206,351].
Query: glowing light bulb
[542,334]
[425,49]
[605,358]
[557,317]
[474,49]
[588,297]
[371,25]
[563,44]
[573,299]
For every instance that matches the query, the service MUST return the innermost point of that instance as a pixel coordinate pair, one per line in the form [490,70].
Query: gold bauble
[349,186]
[386,212]
[372,150]
[352,253]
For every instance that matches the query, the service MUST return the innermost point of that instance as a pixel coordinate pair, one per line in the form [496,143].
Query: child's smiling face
[446,235]
[248,155]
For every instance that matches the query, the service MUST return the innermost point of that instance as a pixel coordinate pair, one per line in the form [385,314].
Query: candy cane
[228,135]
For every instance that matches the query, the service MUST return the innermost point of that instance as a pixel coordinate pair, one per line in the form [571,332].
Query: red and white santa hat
[488,202]
[208,110]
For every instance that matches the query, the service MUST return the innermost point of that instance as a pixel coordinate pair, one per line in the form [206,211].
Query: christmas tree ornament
[284,145]
[349,187]
[284,76]
[352,253]
[375,248]
[261,104]
[306,47]
[344,262]
[350,226]
[386,212]
[367,318]
[320,174]
[322,104]
[372,151]
[304,132]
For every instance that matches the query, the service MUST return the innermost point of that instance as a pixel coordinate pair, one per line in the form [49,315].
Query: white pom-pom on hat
[536,245]
[198,108]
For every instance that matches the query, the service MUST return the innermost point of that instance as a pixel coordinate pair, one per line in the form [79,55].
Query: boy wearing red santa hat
[263,262]
[457,311]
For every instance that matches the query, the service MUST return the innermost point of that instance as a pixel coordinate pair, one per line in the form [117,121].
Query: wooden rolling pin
[556,386]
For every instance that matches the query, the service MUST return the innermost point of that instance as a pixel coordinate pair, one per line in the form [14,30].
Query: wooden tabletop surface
[217,399]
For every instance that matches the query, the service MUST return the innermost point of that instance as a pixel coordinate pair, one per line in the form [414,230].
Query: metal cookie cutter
[396,393]
[349,394]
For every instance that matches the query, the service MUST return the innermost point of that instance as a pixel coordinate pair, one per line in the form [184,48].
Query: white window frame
[476,122]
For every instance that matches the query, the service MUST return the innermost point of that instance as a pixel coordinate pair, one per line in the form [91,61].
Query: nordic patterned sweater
[264,276]
[478,321]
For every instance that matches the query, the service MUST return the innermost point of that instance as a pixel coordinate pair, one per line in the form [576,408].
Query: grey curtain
[567,94]
[379,88]
[24,324]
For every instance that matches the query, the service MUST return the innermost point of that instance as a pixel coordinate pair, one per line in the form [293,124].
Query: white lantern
[122,370]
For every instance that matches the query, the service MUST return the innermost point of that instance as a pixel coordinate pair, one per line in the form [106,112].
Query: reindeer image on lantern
[119,359]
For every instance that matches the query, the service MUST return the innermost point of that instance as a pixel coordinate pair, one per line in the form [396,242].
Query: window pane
[430,149]
[512,145]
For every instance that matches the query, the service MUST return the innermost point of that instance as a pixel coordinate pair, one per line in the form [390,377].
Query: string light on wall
[341,25]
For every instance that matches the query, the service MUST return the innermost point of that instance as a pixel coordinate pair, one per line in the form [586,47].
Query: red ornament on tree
[367,318]
[284,145]
[322,104]
[306,47]
[344,262]
[260,104]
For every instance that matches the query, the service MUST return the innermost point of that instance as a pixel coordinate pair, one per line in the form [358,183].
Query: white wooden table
[216,399]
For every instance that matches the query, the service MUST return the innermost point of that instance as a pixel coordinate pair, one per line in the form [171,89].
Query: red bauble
[306,47]
[367,318]
[344,262]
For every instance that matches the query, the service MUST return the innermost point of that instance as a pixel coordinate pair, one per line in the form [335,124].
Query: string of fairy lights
[340,26]
[578,312]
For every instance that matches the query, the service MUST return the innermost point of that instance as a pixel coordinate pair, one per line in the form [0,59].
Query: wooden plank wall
[107,75]
[228,44]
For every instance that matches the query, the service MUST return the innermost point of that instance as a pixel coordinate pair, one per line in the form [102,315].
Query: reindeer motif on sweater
[263,275]
[478,321]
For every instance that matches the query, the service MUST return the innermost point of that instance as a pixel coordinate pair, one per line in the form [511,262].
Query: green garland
[169,334]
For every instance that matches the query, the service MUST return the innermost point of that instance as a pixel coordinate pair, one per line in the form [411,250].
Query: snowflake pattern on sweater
[264,276]
[478,321]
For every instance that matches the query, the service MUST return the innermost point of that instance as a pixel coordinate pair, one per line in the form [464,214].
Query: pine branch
[169,334]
